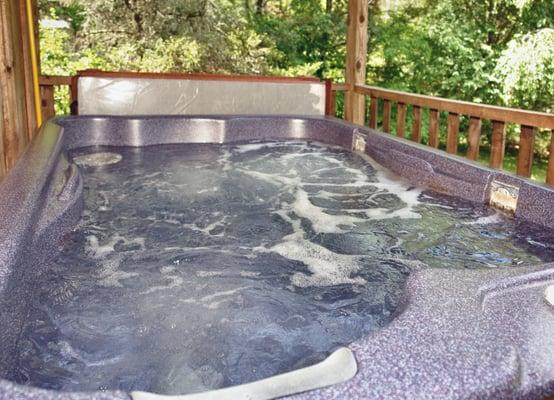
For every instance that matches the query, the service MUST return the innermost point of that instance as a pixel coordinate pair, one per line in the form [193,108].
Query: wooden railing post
[332,111]
[386,116]
[452,133]
[474,137]
[434,128]
[356,57]
[550,170]
[373,113]
[416,124]
[498,142]
[525,153]
[47,102]
[400,119]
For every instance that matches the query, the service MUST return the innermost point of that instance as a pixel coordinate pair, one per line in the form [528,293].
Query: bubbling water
[196,267]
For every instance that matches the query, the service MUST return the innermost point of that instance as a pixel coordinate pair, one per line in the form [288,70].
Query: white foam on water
[213,301]
[274,178]
[327,267]
[386,183]
[396,185]
[150,176]
[167,269]
[244,148]
[440,206]
[326,223]
[105,206]
[207,274]
[208,190]
[225,160]
[110,274]
[97,159]
[171,281]
[321,221]
[249,274]
[208,228]
[96,250]
[489,219]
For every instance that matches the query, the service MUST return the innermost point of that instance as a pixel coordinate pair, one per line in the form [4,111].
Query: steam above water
[196,267]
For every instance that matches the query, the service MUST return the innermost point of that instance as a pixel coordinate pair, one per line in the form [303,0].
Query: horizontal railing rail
[529,121]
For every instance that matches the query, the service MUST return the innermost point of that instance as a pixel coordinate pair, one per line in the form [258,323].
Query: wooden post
[47,101]
[329,98]
[386,116]
[356,57]
[498,142]
[434,128]
[12,122]
[400,119]
[16,95]
[550,170]
[31,122]
[452,133]
[474,137]
[416,124]
[525,153]
[373,113]
[332,112]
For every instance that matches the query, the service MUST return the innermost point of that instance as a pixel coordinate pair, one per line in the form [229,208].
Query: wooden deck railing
[529,121]
[499,116]
[47,86]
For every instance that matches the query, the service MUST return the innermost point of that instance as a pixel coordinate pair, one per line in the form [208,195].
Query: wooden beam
[356,57]
[339,87]
[47,80]
[525,153]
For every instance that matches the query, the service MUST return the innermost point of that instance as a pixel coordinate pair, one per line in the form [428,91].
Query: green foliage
[526,68]
[491,51]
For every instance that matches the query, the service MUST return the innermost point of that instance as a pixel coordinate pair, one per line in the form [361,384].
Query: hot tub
[178,255]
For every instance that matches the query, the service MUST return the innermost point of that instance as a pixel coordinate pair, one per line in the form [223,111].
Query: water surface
[197,267]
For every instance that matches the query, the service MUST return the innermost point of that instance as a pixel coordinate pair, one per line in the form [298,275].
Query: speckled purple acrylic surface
[458,334]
